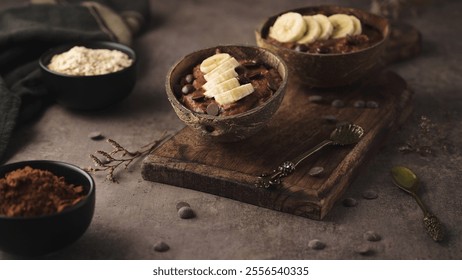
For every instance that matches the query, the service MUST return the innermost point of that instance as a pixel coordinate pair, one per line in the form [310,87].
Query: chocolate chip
[182,204]
[359,104]
[213,109]
[337,103]
[315,98]
[372,104]
[197,96]
[364,250]
[189,78]
[323,50]
[186,212]
[372,236]
[272,85]
[370,194]
[316,244]
[301,48]
[349,202]
[330,118]
[95,135]
[161,246]
[186,89]
[250,63]
[316,171]
[243,79]
[240,70]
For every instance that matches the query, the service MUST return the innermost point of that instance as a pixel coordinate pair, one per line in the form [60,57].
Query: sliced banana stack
[292,27]
[222,83]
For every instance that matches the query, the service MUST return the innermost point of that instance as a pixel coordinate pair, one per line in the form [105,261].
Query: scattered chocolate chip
[330,118]
[372,236]
[316,171]
[213,109]
[197,96]
[95,135]
[337,103]
[370,194]
[240,70]
[315,98]
[189,78]
[272,85]
[301,48]
[323,50]
[316,244]
[359,104]
[186,89]
[254,75]
[243,79]
[186,212]
[161,246]
[251,63]
[372,104]
[364,250]
[182,204]
[349,202]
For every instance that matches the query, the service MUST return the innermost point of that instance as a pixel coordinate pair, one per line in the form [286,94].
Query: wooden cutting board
[231,169]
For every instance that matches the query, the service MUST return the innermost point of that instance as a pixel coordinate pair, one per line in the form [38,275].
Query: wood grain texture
[231,169]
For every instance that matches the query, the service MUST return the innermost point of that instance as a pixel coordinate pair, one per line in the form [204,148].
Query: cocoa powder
[30,192]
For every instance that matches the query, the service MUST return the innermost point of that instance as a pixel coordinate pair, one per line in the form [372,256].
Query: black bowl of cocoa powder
[89,76]
[44,206]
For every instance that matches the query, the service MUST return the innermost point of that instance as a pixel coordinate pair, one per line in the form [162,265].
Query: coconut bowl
[326,70]
[227,128]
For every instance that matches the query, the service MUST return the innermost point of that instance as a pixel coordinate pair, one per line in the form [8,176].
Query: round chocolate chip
[359,104]
[213,109]
[189,78]
[372,104]
[323,50]
[240,70]
[186,89]
[301,48]
[364,250]
[315,98]
[316,171]
[95,135]
[372,236]
[330,118]
[369,194]
[243,79]
[316,244]
[349,202]
[186,212]
[182,204]
[337,103]
[161,246]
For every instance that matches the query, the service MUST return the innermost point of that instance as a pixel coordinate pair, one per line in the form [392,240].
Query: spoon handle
[286,168]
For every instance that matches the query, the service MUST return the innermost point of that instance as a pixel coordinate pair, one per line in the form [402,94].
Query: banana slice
[234,94]
[228,74]
[222,87]
[212,62]
[343,25]
[227,64]
[326,26]
[357,25]
[288,27]
[313,30]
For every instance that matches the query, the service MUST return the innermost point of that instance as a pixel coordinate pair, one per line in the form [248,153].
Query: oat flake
[81,61]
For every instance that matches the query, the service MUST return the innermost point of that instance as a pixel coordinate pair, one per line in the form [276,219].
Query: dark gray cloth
[27,31]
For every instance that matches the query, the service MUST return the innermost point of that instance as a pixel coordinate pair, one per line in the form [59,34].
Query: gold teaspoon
[406,180]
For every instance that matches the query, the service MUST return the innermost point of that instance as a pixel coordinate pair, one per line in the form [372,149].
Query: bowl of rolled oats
[89,75]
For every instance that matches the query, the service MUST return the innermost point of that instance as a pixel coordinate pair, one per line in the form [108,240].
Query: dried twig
[120,156]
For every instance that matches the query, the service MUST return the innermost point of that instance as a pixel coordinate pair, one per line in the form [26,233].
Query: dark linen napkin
[27,31]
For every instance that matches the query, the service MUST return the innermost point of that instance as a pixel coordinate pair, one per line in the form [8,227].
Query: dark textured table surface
[133,215]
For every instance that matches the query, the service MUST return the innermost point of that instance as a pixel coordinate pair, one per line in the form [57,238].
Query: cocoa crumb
[30,192]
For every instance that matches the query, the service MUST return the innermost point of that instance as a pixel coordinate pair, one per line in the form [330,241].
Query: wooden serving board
[231,169]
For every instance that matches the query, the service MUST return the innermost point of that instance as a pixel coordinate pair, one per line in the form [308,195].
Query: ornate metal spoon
[406,180]
[346,134]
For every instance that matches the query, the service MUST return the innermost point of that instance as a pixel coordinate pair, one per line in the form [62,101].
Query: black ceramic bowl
[89,92]
[34,236]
